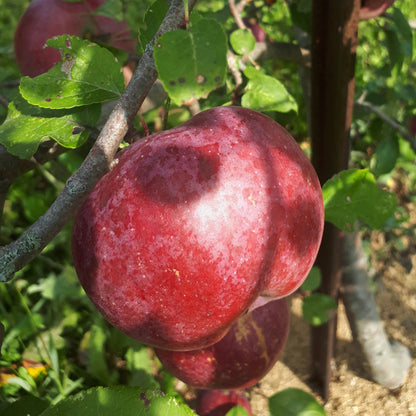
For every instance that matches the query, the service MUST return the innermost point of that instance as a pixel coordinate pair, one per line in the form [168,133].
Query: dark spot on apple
[181,80]
[172,83]
[48,100]
[217,79]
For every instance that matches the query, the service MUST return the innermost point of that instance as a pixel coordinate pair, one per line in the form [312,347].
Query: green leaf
[242,41]
[301,14]
[24,406]
[403,26]
[26,126]
[141,367]
[87,74]
[394,48]
[406,151]
[97,362]
[294,402]
[119,400]
[354,195]
[237,411]
[313,281]
[112,9]
[265,93]
[386,155]
[152,19]
[315,308]
[192,64]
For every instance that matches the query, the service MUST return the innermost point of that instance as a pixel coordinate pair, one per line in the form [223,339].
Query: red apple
[44,19]
[193,224]
[220,402]
[257,31]
[240,359]
[373,8]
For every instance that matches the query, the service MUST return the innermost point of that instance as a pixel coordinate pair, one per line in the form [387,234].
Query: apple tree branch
[98,162]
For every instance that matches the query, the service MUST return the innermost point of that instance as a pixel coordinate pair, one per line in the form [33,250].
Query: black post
[334,42]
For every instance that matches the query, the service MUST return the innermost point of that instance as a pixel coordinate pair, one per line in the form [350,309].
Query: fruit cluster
[192,242]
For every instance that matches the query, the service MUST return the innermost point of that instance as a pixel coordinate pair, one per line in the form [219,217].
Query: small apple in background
[240,359]
[412,126]
[219,402]
[373,8]
[194,223]
[44,19]
[257,31]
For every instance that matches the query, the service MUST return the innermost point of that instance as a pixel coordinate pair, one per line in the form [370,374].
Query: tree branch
[18,253]
[236,12]
[282,51]
[366,106]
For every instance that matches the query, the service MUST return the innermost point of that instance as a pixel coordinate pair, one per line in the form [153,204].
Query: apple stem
[144,125]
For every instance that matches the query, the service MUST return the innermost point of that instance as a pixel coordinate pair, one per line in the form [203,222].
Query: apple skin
[239,360]
[373,8]
[220,402]
[44,19]
[257,31]
[192,224]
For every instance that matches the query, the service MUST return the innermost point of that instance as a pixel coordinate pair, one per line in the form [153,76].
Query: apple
[257,31]
[220,402]
[193,224]
[240,359]
[373,8]
[44,19]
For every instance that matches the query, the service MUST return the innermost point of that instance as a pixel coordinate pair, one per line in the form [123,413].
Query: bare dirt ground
[393,257]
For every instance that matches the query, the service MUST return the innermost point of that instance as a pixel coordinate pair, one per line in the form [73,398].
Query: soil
[352,392]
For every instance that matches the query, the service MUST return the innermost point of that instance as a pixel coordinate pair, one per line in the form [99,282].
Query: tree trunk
[389,362]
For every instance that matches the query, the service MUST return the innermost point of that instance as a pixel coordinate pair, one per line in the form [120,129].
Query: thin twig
[282,51]
[236,12]
[4,101]
[10,84]
[18,253]
[360,103]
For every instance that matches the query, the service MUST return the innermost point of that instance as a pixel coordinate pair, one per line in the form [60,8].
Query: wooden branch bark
[18,253]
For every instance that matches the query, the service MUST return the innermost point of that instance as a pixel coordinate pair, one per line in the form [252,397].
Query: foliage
[294,402]
[353,195]
[192,63]
[55,345]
